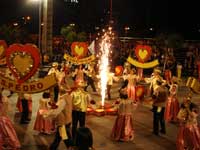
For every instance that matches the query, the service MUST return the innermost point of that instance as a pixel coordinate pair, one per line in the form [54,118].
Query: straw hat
[54,64]
[157,70]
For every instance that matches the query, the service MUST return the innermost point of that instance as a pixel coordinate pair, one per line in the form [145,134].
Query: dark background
[139,15]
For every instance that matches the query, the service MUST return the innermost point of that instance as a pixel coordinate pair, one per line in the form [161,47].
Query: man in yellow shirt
[80,102]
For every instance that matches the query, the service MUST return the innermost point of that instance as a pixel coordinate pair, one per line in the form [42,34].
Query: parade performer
[123,126]
[161,95]
[111,78]
[25,98]
[8,136]
[42,125]
[80,101]
[188,136]
[54,70]
[172,105]
[156,75]
[132,80]
[62,112]
[19,102]
[90,73]
[79,74]
[168,75]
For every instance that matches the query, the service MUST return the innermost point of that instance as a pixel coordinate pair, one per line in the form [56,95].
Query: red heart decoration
[143,52]
[79,49]
[23,61]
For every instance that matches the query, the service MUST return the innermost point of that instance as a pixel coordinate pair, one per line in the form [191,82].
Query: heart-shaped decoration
[3,47]
[79,49]
[143,52]
[23,61]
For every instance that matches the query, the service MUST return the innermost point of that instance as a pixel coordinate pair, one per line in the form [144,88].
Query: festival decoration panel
[23,61]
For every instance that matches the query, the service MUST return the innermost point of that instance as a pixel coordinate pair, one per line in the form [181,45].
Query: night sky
[140,15]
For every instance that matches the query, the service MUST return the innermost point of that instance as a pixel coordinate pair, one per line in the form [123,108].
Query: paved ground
[101,129]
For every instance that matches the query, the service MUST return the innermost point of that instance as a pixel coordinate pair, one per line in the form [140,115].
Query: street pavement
[101,127]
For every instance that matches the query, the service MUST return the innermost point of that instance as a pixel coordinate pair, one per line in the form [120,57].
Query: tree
[13,34]
[71,35]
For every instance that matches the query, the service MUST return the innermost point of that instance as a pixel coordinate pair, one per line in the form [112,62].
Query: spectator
[84,140]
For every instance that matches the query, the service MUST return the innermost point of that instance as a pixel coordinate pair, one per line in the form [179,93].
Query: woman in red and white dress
[172,105]
[42,125]
[123,126]
[132,80]
[8,136]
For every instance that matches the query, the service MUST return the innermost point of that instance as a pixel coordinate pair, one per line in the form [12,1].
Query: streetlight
[40,22]
[126,30]
[46,30]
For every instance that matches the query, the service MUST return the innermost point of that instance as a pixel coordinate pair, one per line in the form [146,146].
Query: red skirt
[171,109]
[123,128]
[44,125]
[192,137]
[180,140]
[8,136]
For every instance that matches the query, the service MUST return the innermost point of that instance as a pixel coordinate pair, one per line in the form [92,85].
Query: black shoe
[162,131]
[156,133]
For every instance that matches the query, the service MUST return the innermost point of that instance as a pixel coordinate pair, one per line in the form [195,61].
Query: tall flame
[104,63]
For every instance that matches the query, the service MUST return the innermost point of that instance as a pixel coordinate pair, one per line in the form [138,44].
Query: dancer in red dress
[188,136]
[172,105]
[8,136]
[41,124]
[132,80]
[123,126]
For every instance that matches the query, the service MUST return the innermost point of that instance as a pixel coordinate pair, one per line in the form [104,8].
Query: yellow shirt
[80,100]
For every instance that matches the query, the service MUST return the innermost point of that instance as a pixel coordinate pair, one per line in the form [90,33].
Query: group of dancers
[166,107]
[66,105]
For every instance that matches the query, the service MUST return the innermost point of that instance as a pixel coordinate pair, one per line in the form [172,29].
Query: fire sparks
[105,47]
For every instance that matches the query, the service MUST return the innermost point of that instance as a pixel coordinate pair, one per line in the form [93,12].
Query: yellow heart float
[143,53]
[79,50]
